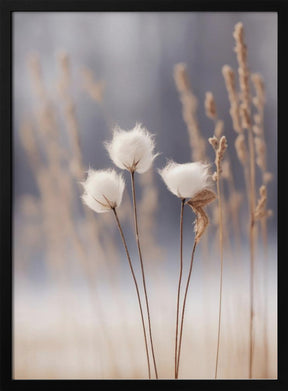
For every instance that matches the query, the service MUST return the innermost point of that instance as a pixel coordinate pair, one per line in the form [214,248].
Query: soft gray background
[135,54]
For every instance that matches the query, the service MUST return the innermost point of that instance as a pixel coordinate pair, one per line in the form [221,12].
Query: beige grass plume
[210,106]
[243,70]
[229,77]
[189,112]
[260,210]
[94,88]
[219,148]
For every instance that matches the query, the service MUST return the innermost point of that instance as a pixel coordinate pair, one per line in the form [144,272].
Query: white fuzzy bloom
[186,180]
[103,190]
[132,150]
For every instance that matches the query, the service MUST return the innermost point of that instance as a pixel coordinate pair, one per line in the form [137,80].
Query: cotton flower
[103,190]
[186,180]
[132,150]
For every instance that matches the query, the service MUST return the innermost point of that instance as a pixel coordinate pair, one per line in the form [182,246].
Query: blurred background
[75,76]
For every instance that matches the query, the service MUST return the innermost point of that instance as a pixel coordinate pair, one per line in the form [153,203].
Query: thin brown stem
[136,286]
[265,280]
[179,282]
[221,269]
[184,303]
[252,245]
[142,269]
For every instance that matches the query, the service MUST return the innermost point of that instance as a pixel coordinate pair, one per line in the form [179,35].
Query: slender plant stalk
[221,269]
[142,269]
[252,245]
[184,303]
[136,286]
[265,331]
[179,283]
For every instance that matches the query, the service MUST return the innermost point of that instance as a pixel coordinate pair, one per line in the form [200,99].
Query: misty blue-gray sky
[135,54]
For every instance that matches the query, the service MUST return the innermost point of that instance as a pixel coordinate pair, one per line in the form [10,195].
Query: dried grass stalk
[260,210]
[243,70]
[94,88]
[189,109]
[219,148]
[245,112]
[241,149]
[210,106]
[229,77]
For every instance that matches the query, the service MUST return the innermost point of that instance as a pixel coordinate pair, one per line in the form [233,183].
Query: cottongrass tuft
[132,150]
[186,180]
[103,190]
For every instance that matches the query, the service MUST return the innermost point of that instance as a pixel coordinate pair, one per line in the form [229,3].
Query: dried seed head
[181,77]
[260,148]
[229,78]
[219,148]
[214,142]
[261,210]
[241,149]
[245,116]
[258,83]
[243,71]
[189,112]
[210,106]
[220,153]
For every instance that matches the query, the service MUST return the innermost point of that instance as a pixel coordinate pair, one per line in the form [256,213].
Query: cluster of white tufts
[131,150]
[134,151]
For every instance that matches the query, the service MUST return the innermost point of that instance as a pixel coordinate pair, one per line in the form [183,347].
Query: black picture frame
[6,175]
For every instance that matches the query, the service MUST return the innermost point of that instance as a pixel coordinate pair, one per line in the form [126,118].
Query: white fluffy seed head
[186,180]
[103,190]
[132,150]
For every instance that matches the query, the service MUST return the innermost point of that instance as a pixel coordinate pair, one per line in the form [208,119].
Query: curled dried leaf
[202,198]
[197,203]
[201,223]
